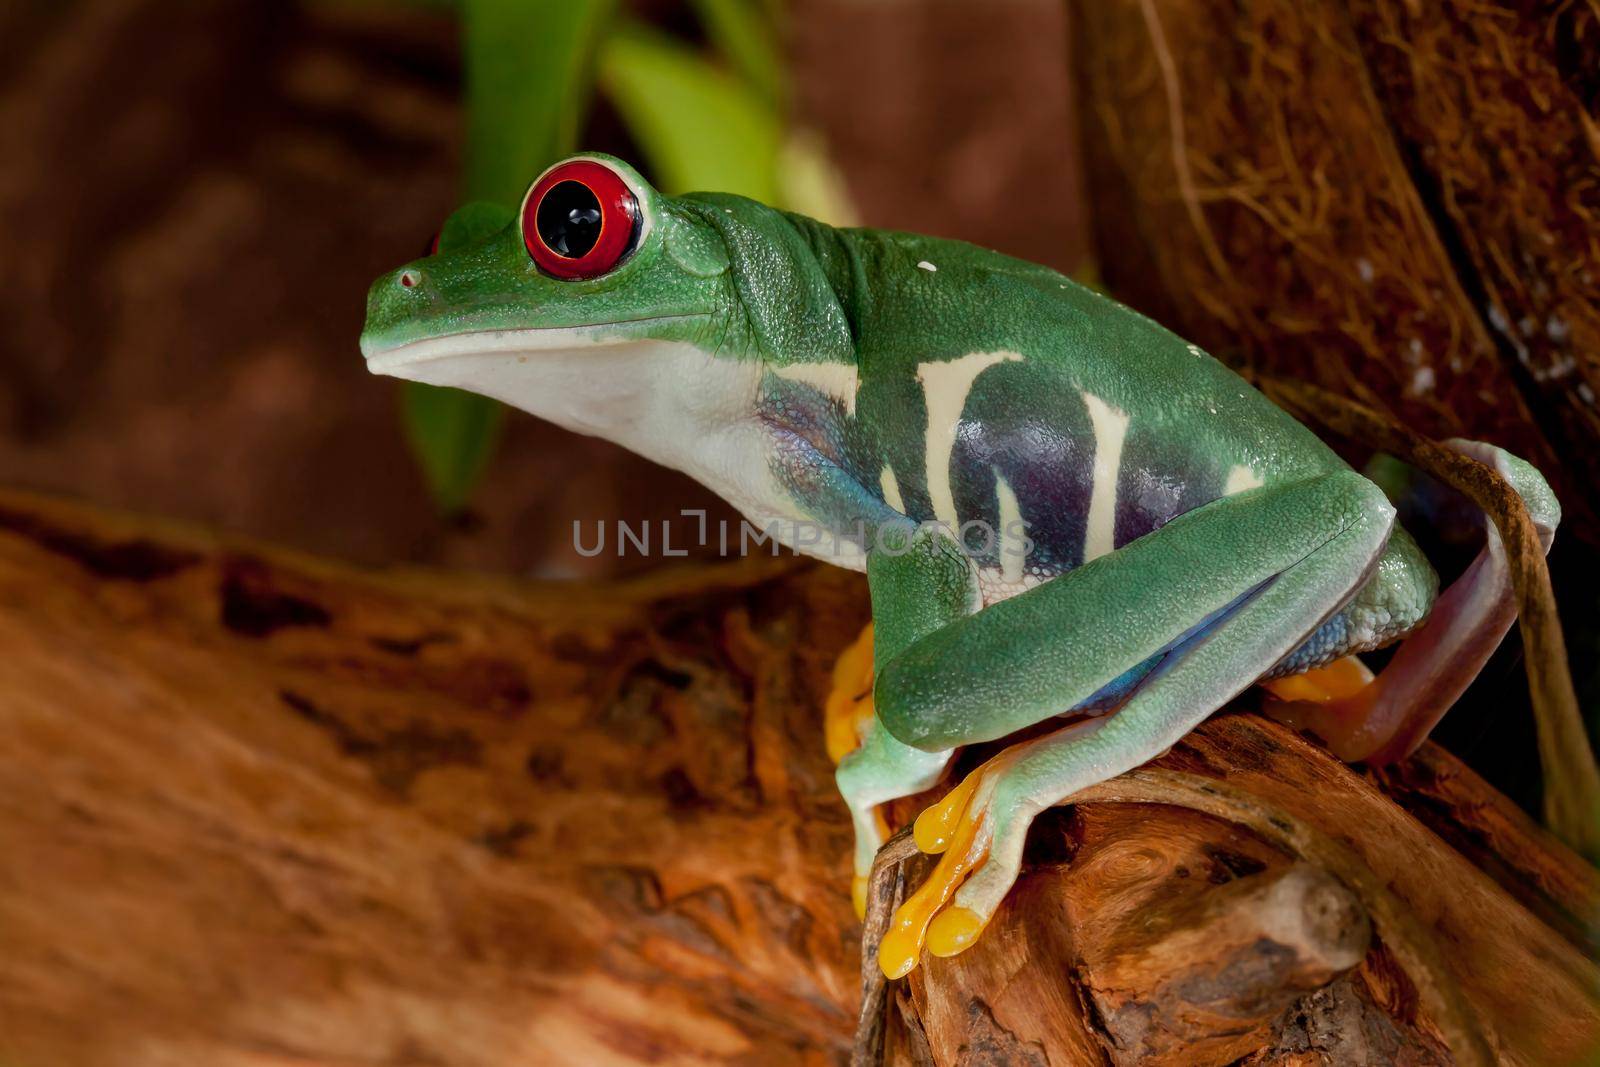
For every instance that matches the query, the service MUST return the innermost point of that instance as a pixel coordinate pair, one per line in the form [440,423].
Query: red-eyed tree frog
[1066,514]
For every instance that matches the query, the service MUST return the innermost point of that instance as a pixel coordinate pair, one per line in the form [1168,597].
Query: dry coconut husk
[1396,201]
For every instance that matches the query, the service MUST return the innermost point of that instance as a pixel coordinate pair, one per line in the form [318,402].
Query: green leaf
[529,75]
[700,127]
[358,4]
[453,435]
[743,32]
[809,183]
[529,72]
[473,222]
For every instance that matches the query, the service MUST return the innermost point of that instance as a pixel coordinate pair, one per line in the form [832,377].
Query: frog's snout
[395,298]
[407,281]
[402,288]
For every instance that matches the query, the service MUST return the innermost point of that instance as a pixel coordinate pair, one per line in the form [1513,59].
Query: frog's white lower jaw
[585,378]
[392,360]
[669,401]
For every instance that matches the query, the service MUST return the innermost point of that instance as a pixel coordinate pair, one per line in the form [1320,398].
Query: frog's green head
[601,303]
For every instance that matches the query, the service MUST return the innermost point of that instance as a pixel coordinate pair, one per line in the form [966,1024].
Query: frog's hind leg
[1387,719]
[848,712]
[1225,592]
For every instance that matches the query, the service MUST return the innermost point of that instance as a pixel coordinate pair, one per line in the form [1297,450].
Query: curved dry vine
[1572,781]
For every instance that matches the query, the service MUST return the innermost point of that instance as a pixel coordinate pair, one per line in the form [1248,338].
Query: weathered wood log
[260,809]
[1170,958]
[1205,980]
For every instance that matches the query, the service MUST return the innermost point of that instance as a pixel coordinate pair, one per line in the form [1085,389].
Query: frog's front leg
[921,581]
[1182,619]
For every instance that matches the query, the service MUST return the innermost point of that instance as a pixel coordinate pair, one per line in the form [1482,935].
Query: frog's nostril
[410,279]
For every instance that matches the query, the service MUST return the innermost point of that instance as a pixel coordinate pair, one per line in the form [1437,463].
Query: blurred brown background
[262,810]
[195,197]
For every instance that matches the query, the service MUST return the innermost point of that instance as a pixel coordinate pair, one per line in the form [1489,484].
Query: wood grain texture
[261,809]
[1206,981]
[258,810]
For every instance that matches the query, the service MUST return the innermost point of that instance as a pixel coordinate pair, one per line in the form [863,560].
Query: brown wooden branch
[259,809]
[886,888]
[1208,978]
[1411,943]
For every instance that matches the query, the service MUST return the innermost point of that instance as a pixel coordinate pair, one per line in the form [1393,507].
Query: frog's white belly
[993,585]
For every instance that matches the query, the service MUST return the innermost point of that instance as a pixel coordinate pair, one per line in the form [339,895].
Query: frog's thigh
[1026,659]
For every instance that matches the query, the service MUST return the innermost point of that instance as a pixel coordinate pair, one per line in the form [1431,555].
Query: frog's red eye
[580,220]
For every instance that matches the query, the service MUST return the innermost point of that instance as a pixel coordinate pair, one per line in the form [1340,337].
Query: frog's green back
[991,391]
[1022,384]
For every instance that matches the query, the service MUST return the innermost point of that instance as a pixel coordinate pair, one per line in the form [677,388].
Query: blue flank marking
[811,459]
[1326,644]
[1121,688]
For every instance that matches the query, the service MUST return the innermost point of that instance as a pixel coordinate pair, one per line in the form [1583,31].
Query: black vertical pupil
[569,219]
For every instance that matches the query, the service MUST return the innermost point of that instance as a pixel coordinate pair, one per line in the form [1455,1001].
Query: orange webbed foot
[848,711]
[959,829]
